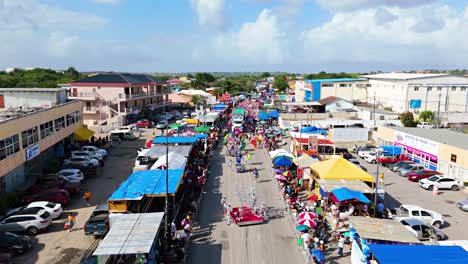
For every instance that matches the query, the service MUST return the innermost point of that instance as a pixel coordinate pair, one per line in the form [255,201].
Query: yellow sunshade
[305,161]
[191,121]
[340,169]
[82,134]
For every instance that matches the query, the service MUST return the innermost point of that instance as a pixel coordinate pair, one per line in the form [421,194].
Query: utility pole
[373,115]
[166,210]
[438,112]
[376,184]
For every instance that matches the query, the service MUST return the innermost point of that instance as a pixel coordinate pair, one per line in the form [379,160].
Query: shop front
[420,150]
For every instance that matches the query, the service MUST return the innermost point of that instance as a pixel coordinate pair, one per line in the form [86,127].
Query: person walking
[382,179]
[87,196]
[70,222]
[341,242]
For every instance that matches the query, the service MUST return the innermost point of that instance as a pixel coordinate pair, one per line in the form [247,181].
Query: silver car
[463,204]
[403,171]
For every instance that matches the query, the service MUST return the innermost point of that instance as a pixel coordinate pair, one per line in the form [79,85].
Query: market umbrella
[202,129]
[307,222]
[278,171]
[280,177]
[287,174]
[318,255]
[307,215]
[302,228]
[282,161]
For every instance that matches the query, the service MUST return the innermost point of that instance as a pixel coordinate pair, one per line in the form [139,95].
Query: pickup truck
[413,211]
[98,223]
[387,160]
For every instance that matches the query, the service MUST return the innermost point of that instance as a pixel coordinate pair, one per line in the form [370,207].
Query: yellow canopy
[305,161]
[191,121]
[340,169]
[83,134]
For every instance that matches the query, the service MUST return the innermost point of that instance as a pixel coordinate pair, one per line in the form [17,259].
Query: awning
[160,150]
[340,169]
[130,234]
[283,161]
[382,229]
[355,185]
[411,254]
[344,194]
[176,161]
[174,140]
[83,134]
[280,152]
[191,121]
[305,161]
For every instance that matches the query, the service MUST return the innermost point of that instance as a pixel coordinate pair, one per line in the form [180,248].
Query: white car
[425,125]
[55,209]
[422,230]
[30,220]
[77,153]
[93,149]
[443,182]
[363,153]
[131,127]
[426,216]
[71,174]
[371,157]
[81,161]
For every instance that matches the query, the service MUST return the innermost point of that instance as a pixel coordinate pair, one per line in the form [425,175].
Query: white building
[350,89]
[32,97]
[418,92]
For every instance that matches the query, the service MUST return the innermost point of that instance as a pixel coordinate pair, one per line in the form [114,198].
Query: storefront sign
[32,152]
[313,143]
[418,143]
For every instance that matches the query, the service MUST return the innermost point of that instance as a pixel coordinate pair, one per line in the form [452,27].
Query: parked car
[52,195]
[421,174]
[356,148]
[362,152]
[162,124]
[87,170]
[400,164]
[463,204]
[422,230]
[82,160]
[443,182]
[414,211]
[70,186]
[424,125]
[131,127]
[78,153]
[71,174]
[143,123]
[55,209]
[403,171]
[371,157]
[32,222]
[98,222]
[14,244]
[388,160]
[93,149]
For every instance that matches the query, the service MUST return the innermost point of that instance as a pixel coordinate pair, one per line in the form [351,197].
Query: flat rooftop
[8,114]
[444,136]
[403,76]
[19,89]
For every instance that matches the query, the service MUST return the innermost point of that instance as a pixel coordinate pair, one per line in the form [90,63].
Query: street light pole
[376,183]
[166,210]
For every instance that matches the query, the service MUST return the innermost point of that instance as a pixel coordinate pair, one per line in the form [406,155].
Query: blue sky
[234,35]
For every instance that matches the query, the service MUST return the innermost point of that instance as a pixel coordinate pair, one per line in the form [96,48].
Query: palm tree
[198,100]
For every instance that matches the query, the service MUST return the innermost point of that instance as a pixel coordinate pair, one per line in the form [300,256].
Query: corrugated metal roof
[336,80]
[130,234]
[403,76]
[382,229]
[444,136]
[158,151]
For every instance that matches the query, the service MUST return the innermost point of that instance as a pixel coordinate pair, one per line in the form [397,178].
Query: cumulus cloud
[383,15]
[210,13]
[341,5]
[261,41]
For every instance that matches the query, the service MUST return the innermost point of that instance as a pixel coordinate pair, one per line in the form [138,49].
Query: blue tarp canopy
[345,194]
[391,150]
[176,140]
[201,136]
[274,114]
[282,161]
[149,183]
[219,107]
[263,116]
[313,130]
[415,254]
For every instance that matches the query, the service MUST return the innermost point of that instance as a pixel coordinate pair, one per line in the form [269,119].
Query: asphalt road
[402,191]
[214,241]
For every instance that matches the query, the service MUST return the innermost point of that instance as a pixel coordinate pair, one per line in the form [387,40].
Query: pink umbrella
[307,222]
[280,177]
[307,215]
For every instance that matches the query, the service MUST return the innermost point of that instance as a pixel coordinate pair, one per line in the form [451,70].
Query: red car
[70,186]
[51,195]
[143,123]
[421,174]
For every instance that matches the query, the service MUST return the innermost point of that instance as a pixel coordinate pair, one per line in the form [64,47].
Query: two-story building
[350,89]
[116,99]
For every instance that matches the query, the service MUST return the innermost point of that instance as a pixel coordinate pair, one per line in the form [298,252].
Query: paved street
[404,191]
[59,246]
[214,241]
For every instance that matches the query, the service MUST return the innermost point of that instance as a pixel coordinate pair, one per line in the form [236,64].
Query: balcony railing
[83,95]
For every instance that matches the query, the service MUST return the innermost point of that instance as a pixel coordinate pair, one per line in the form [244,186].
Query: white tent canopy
[280,152]
[176,161]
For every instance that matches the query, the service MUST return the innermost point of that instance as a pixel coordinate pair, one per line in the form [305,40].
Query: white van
[122,134]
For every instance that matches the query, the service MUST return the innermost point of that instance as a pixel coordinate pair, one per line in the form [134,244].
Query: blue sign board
[32,151]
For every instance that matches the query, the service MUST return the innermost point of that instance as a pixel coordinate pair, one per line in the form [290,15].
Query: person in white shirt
[305,240]
[341,242]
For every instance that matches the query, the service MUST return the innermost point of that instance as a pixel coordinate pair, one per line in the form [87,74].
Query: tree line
[43,78]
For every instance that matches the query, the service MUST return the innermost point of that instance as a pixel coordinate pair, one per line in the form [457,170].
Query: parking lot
[399,190]
[57,245]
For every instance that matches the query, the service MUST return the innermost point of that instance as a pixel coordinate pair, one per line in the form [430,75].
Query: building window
[59,123]
[454,88]
[343,85]
[429,88]
[453,158]
[416,88]
[29,137]
[78,116]
[327,85]
[70,119]
[439,88]
[462,89]
[9,146]
[47,129]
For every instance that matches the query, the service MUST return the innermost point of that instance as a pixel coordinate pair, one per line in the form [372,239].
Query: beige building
[29,137]
[116,99]
[438,149]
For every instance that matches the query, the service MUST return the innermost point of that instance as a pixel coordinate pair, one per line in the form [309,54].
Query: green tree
[190,76]
[407,119]
[427,115]
[265,75]
[72,72]
[281,83]
[198,100]
[205,77]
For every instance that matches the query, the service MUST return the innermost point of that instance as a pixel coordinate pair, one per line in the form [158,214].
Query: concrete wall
[14,99]
[349,134]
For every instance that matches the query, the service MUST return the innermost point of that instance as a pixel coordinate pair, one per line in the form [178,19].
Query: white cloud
[259,42]
[466,12]
[432,36]
[359,4]
[107,1]
[59,44]
[210,13]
